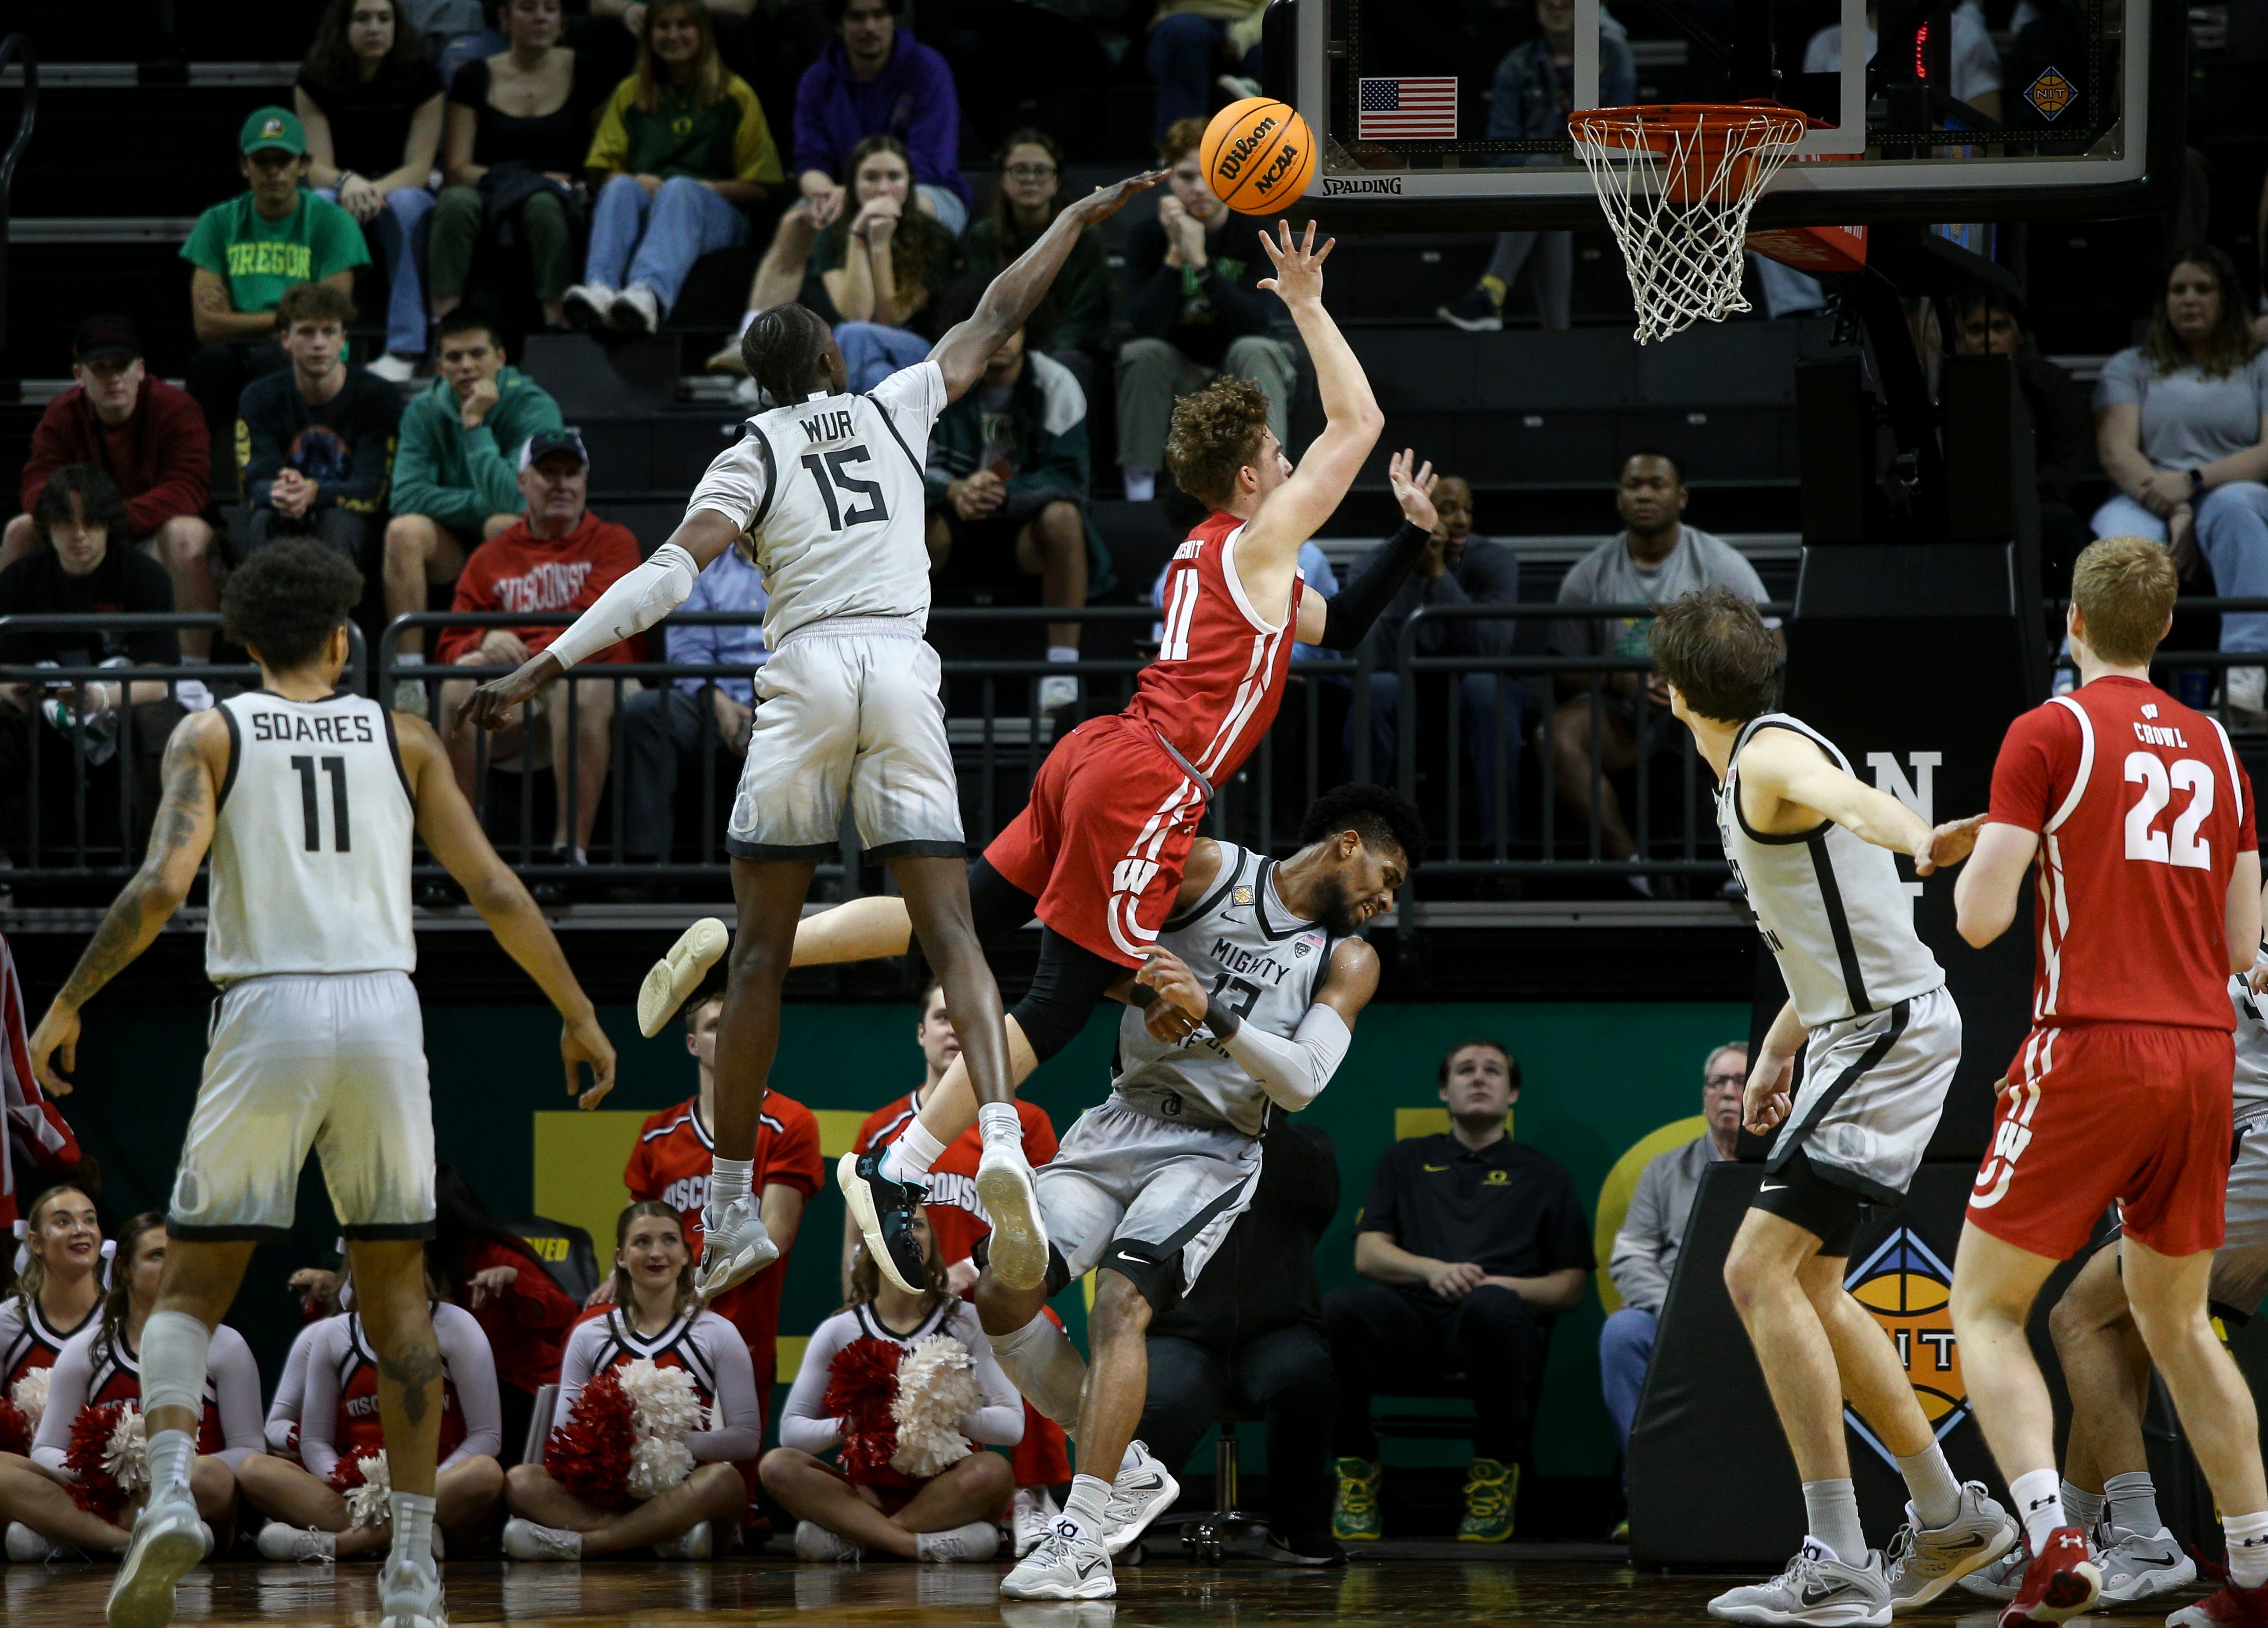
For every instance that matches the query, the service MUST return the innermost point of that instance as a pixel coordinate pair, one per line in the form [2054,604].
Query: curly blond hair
[1215,433]
[2124,588]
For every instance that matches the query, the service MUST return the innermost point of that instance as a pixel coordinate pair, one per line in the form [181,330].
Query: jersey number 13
[2181,844]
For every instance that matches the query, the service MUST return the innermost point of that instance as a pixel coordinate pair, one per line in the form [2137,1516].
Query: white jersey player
[308,800]
[1243,1013]
[825,493]
[1812,845]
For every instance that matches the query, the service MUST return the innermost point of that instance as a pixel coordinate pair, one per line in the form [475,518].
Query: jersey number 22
[2181,845]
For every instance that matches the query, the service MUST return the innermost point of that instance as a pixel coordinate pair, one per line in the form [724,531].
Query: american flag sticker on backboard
[1406,110]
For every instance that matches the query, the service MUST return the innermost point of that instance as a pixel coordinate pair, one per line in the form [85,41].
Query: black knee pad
[998,906]
[1066,987]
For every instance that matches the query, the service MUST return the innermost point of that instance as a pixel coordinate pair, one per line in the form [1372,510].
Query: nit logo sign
[1909,1292]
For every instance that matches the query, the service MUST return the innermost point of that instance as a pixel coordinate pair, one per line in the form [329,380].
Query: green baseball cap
[273,127]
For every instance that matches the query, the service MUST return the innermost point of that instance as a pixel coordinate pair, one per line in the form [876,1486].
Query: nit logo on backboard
[1909,1292]
[2051,93]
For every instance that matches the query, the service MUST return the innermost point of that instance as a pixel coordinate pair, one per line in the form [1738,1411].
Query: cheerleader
[897,1380]
[283,1428]
[85,1482]
[626,1468]
[330,1506]
[57,1289]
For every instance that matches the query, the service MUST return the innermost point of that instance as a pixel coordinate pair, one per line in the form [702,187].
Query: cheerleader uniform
[92,1370]
[340,1416]
[28,1340]
[705,1347]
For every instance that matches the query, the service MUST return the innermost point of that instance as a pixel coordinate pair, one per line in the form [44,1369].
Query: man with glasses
[1645,1256]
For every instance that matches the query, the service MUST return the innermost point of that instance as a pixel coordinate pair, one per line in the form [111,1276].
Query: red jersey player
[957,1220]
[672,1160]
[2148,897]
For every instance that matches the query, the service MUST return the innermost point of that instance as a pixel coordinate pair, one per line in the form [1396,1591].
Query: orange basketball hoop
[1678,182]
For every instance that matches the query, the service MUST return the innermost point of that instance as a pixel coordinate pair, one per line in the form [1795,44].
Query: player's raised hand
[56,1039]
[1414,491]
[486,707]
[1299,266]
[1765,1102]
[1949,844]
[1104,201]
[1179,1010]
[582,1041]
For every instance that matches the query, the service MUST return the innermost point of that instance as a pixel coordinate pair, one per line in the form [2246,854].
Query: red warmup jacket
[160,459]
[527,1325]
[517,570]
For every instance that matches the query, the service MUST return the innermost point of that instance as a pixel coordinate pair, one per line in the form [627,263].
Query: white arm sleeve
[319,1411]
[471,1368]
[236,1389]
[740,1432]
[66,1395]
[1294,1071]
[635,601]
[1001,1421]
[290,1394]
[575,1366]
[803,1425]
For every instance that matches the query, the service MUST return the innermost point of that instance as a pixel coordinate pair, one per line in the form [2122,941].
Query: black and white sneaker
[1303,1548]
[885,1211]
[1816,1590]
[1474,311]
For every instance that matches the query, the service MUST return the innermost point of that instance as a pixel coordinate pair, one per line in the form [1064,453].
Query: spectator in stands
[1534,91]
[1657,558]
[1645,1255]
[315,441]
[149,439]
[1195,44]
[1456,568]
[1247,1342]
[1008,493]
[2181,423]
[1195,308]
[1472,1243]
[1974,65]
[879,80]
[454,32]
[371,104]
[663,729]
[249,250]
[1992,322]
[89,726]
[1029,196]
[682,152]
[560,557]
[884,268]
[456,479]
[480,1263]
[513,147]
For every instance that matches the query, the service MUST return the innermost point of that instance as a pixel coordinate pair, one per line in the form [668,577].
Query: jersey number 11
[311,809]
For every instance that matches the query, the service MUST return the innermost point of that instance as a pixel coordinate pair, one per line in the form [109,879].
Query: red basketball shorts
[2099,1111]
[1103,841]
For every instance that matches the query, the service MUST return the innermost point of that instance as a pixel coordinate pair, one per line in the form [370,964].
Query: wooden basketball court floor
[1507,1592]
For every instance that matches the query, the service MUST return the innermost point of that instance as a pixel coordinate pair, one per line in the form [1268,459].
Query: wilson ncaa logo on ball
[1258,156]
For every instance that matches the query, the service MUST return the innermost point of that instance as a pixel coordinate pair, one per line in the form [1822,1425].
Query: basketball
[1259,155]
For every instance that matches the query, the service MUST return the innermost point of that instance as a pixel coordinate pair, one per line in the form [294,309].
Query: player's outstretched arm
[451,831]
[2243,912]
[1984,897]
[1294,1072]
[196,756]
[1343,622]
[1013,295]
[1785,767]
[633,602]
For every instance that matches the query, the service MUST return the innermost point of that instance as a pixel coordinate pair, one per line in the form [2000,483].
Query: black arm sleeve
[1347,619]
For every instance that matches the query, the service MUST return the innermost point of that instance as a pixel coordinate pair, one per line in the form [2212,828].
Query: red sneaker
[2231,1607]
[2060,1582]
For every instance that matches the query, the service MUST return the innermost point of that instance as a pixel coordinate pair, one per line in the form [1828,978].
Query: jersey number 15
[2181,845]
[831,471]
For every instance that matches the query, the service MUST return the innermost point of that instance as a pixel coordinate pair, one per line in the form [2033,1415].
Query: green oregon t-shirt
[261,258]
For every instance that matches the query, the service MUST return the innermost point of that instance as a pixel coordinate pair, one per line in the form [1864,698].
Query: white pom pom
[367,1503]
[937,1390]
[126,1456]
[665,1407]
[31,1396]
[657,1466]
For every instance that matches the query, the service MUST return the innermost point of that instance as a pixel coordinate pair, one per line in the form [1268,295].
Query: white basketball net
[1682,244]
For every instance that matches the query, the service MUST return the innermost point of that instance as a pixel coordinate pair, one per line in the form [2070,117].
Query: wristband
[1141,997]
[1223,1022]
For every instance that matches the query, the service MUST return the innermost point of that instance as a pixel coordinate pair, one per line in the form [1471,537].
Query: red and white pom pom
[108,1456]
[590,1455]
[862,1386]
[30,1396]
[937,1390]
[126,1456]
[366,1484]
[15,1434]
[663,1408]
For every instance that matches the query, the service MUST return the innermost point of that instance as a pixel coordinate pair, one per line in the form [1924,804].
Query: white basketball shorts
[1872,1090]
[848,707]
[1150,1198]
[335,1062]
[2240,1266]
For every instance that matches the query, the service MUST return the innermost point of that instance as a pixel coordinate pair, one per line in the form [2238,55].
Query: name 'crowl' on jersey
[1254,956]
[2141,809]
[1829,904]
[1219,673]
[829,493]
[311,847]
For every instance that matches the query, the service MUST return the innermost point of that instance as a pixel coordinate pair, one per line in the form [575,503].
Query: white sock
[2248,1548]
[1063,652]
[1090,1496]
[1041,1362]
[1929,1481]
[2134,1502]
[1141,484]
[2082,1508]
[728,1180]
[1831,1510]
[2038,1505]
[171,1454]
[413,1526]
[1002,1126]
[174,1346]
[910,1157]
